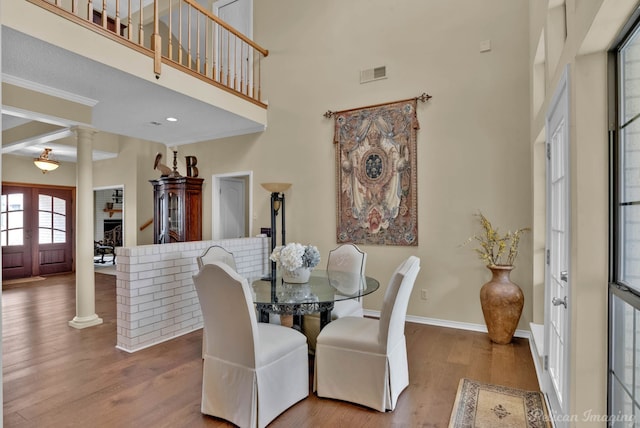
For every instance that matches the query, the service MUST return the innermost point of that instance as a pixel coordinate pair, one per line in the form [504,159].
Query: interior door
[36,231]
[557,275]
[232,208]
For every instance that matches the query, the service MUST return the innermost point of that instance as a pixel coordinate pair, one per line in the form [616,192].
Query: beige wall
[473,149]
[479,146]
[132,169]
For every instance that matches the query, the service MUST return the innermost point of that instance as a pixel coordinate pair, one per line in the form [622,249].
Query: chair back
[350,259]
[216,253]
[229,316]
[347,258]
[396,300]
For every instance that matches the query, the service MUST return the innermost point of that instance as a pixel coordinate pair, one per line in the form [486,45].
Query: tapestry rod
[424,98]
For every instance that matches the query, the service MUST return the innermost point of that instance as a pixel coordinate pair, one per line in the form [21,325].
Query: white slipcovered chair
[364,360]
[344,258]
[216,253]
[252,371]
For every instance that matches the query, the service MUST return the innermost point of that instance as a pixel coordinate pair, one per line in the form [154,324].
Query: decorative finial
[424,97]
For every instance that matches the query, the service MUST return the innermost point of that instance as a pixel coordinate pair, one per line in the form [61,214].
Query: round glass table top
[323,287]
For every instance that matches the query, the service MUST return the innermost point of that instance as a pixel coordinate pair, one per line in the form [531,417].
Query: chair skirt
[341,309]
[360,374]
[250,397]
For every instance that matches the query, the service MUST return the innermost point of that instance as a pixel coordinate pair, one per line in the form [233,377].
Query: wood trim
[146,224]
[141,49]
[223,24]
[111,211]
[40,186]
[93,27]
[215,83]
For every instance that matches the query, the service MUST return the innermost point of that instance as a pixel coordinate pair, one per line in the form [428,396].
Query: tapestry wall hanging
[376,174]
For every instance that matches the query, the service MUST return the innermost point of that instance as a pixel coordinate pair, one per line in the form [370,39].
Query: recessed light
[172,119]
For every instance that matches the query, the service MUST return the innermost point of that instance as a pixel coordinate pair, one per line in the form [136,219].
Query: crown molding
[48,90]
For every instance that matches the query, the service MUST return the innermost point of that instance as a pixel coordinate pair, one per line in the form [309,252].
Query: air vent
[372,74]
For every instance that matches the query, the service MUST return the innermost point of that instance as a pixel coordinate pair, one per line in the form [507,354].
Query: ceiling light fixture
[172,119]
[44,163]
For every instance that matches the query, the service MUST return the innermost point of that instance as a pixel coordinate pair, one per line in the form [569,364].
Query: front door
[557,275]
[16,232]
[36,231]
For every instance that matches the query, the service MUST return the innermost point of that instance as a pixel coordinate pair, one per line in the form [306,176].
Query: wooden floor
[57,376]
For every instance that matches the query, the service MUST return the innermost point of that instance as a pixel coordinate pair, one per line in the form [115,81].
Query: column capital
[85,130]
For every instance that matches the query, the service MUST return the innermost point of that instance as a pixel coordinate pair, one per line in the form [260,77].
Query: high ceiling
[123,104]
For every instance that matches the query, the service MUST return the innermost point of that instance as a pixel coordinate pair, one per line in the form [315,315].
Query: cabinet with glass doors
[177,209]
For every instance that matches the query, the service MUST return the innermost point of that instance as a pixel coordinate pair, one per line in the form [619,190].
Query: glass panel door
[52,221]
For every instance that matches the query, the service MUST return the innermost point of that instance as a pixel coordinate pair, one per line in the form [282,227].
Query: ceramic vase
[502,303]
[298,276]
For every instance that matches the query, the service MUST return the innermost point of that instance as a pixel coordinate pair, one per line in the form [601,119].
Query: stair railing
[180,33]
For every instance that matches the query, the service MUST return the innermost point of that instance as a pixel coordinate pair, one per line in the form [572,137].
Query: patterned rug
[482,405]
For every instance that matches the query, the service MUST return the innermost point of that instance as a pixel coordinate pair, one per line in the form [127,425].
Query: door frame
[248,31]
[216,225]
[230,182]
[222,3]
[559,102]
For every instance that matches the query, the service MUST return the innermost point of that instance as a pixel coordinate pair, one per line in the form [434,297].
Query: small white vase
[298,276]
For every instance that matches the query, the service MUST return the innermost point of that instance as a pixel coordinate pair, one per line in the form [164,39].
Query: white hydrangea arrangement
[294,255]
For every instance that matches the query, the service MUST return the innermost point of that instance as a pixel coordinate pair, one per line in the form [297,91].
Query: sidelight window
[12,219]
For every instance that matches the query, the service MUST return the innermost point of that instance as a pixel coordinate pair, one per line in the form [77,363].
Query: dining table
[318,295]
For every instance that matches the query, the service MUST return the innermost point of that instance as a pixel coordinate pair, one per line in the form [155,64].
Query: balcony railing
[180,33]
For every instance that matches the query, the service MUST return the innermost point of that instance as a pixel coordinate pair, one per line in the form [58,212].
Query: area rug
[482,405]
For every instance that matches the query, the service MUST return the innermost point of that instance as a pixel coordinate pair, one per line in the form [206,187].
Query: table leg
[297,322]
[325,317]
[264,315]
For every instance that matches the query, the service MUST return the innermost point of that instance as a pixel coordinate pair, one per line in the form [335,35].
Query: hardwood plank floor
[57,376]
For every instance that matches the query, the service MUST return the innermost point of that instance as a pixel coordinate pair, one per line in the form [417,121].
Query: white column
[85,279]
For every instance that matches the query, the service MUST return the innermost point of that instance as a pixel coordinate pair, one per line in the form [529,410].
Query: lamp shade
[44,163]
[276,187]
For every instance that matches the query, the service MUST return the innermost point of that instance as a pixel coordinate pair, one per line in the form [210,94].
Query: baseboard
[449,324]
[534,338]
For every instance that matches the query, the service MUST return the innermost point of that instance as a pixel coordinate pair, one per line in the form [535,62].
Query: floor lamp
[277,202]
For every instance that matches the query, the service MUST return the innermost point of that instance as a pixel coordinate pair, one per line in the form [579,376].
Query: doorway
[108,227]
[232,205]
[36,232]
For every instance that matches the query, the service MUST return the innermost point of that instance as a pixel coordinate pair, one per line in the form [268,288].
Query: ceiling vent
[372,74]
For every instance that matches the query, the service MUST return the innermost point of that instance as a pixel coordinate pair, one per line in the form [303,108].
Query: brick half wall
[155,296]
